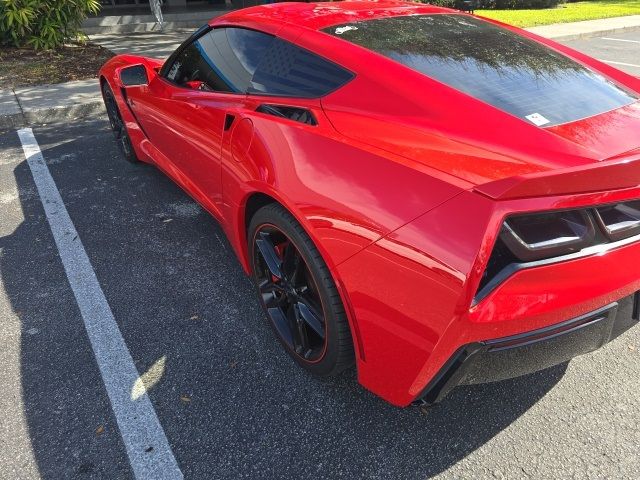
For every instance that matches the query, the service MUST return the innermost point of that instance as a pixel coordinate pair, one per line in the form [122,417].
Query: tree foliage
[43,24]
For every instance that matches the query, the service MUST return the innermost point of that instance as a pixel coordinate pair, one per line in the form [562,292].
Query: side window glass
[239,60]
[190,68]
[291,71]
[223,60]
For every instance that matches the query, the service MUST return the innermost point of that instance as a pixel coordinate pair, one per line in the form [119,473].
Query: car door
[189,105]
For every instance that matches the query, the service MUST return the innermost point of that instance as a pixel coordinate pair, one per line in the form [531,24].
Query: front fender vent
[297,114]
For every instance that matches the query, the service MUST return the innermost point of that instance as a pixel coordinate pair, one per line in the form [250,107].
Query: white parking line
[620,40]
[619,63]
[147,447]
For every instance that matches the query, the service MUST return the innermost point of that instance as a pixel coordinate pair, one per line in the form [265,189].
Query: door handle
[228,121]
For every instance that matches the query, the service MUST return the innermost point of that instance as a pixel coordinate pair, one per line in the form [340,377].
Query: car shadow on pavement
[71,430]
[231,402]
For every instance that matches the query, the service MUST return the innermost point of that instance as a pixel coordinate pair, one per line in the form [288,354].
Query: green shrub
[43,24]
[442,3]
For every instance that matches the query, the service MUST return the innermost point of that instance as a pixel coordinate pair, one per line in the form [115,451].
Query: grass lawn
[569,12]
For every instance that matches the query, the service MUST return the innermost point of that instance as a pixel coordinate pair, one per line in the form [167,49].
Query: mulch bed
[23,67]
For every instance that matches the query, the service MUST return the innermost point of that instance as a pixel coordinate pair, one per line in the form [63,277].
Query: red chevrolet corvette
[440,198]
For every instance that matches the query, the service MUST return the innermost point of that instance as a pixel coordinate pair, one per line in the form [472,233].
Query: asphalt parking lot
[229,402]
[621,50]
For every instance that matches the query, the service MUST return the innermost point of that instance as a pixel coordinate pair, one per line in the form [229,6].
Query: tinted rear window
[497,66]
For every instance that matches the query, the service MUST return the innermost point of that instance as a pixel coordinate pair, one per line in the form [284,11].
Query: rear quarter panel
[346,195]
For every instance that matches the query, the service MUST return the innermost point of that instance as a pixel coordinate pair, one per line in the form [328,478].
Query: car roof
[317,16]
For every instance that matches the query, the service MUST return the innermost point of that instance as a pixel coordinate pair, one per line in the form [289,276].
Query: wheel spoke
[269,254]
[282,324]
[300,338]
[289,260]
[297,274]
[311,318]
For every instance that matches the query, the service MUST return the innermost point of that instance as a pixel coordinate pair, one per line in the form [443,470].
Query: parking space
[621,50]
[230,403]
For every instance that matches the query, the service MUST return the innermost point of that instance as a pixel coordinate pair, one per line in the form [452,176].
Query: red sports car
[440,198]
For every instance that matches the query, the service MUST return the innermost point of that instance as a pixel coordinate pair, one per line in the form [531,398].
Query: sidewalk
[588,28]
[125,20]
[148,44]
[50,103]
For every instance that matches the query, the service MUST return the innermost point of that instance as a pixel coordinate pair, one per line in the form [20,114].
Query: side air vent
[297,114]
[620,221]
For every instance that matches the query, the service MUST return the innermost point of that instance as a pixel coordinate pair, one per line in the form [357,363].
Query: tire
[117,124]
[314,297]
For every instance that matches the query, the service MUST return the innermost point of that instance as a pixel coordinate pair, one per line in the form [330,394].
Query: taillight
[542,235]
[619,221]
[526,240]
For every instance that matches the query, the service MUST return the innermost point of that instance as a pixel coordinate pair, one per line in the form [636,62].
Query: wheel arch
[104,81]
[253,202]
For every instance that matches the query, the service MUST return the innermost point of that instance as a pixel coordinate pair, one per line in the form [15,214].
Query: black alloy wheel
[298,293]
[290,294]
[117,125]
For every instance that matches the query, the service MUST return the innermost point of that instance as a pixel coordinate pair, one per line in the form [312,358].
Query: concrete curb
[10,111]
[52,115]
[15,120]
[50,103]
[62,114]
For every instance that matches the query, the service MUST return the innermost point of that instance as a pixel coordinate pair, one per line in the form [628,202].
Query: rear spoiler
[622,171]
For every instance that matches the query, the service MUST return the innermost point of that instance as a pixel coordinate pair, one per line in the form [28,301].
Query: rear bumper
[411,293]
[517,355]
